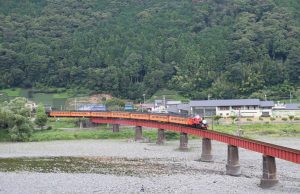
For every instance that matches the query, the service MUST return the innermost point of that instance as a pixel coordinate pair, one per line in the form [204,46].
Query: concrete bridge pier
[138,133]
[206,155]
[183,141]
[269,178]
[233,166]
[116,128]
[161,137]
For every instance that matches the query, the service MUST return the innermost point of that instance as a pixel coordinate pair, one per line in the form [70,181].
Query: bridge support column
[161,137]
[183,141]
[206,150]
[138,133]
[269,172]
[116,128]
[233,166]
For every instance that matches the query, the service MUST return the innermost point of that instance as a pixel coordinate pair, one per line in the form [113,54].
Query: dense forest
[224,48]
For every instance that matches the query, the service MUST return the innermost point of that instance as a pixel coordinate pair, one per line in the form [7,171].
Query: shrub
[284,119]
[291,117]
[22,129]
[14,119]
[272,119]
[170,135]
[249,119]
[217,118]
[233,118]
[296,119]
[41,117]
[261,119]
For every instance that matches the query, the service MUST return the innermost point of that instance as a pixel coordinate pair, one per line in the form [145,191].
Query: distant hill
[221,48]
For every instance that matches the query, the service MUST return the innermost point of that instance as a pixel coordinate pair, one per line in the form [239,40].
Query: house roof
[173,102]
[266,103]
[233,102]
[172,109]
[149,105]
[183,107]
[292,106]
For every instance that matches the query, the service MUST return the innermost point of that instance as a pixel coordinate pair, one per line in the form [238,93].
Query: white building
[286,110]
[235,107]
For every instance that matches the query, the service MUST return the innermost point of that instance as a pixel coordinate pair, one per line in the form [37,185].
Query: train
[195,121]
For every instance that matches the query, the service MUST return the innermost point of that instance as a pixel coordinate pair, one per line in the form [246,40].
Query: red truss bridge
[269,151]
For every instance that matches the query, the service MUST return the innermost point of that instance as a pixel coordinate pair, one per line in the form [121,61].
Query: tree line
[225,48]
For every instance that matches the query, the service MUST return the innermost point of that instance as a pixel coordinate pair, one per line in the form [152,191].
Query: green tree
[217,118]
[231,49]
[41,117]
[14,119]
[22,129]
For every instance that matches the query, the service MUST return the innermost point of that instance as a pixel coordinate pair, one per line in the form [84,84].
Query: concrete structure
[183,141]
[161,137]
[269,177]
[235,107]
[233,166]
[115,128]
[138,133]
[206,155]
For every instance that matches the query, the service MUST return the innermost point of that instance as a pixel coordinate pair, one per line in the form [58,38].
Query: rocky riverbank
[118,166]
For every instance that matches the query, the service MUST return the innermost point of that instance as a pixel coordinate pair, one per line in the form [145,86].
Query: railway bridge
[269,151]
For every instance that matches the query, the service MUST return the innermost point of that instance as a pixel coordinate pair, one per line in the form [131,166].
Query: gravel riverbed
[144,168]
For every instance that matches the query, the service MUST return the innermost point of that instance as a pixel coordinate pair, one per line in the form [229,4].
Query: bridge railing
[273,150]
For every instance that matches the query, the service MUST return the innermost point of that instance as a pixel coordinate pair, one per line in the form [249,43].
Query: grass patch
[12,92]
[252,130]
[62,123]
[59,134]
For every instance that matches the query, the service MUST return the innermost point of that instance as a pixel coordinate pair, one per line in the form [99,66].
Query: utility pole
[143,103]
[239,130]
[291,97]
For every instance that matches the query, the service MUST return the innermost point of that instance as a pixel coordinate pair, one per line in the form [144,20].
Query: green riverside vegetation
[250,131]
[225,48]
[66,130]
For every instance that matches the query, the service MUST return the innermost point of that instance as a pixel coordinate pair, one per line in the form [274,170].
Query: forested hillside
[225,48]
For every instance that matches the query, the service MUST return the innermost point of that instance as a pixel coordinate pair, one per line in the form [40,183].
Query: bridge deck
[281,152]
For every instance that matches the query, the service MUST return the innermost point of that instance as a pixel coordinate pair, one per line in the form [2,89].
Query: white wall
[244,113]
[286,113]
